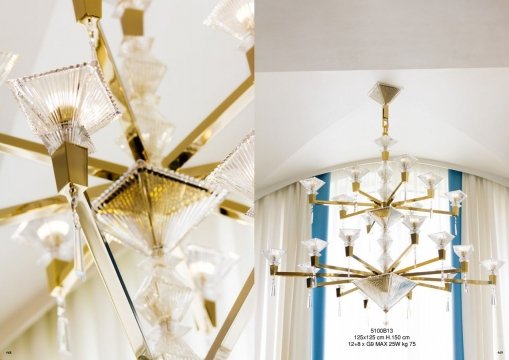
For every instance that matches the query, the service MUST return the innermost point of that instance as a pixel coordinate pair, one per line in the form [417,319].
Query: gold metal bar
[372,198]
[353,271]
[112,279]
[434,287]
[250,54]
[391,197]
[349,203]
[225,333]
[398,260]
[33,210]
[367,265]
[235,211]
[419,278]
[293,274]
[332,275]
[356,213]
[349,291]
[403,202]
[412,208]
[30,150]
[200,171]
[418,265]
[112,78]
[336,282]
[209,127]
[132,22]
[432,272]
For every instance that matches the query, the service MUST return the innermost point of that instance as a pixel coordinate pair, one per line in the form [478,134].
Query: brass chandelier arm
[30,150]
[225,337]
[200,171]
[336,282]
[418,265]
[345,203]
[357,213]
[32,210]
[393,194]
[412,200]
[455,281]
[446,288]
[339,268]
[372,198]
[396,262]
[367,265]
[349,291]
[112,78]
[413,208]
[432,272]
[210,126]
[318,275]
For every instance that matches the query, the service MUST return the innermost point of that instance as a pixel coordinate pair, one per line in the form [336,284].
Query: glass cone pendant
[385,290]
[208,268]
[7,61]
[386,217]
[236,172]
[430,180]
[67,104]
[441,239]
[151,209]
[456,197]
[314,246]
[312,185]
[63,343]
[274,256]
[235,17]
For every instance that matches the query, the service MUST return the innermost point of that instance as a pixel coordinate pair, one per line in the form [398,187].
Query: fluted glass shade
[456,197]
[143,73]
[163,296]
[355,173]
[384,172]
[386,217]
[349,236]
[52,234]
[236,172]
[430,179]
[67,104]
[312,185]
[414,222]
[152,209]
[406,162]
[236,17]
[385,260]
[7,61]
[463,251]
[208,268]
[274,256]
[442,239]
[385,241]
[314,246]
[385,290]
[492,265]
[308,268]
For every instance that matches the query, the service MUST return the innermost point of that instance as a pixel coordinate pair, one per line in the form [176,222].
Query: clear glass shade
[430,179]
[67,104]
[455,197]
[308,268]
[312,185]
[355,173]
[274,256]
[208,268]
[236,172]
[385,172]
[7,61]
[152,209]
[143,73]
[442,239]
[463,251]
[52,234]
[386,217]
[492,265]
[385,290]
[236,17]
[414,222]
[349,236]
[405,162]
[314,246]
[166,343]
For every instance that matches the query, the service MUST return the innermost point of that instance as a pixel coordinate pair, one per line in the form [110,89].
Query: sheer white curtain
[486,227]
[283,323]
[424,319]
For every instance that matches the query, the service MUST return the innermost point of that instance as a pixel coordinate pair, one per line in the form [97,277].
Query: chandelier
[387,283]
[150,206]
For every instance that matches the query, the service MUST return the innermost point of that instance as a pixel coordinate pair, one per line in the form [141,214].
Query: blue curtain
[456,183]
[319,230]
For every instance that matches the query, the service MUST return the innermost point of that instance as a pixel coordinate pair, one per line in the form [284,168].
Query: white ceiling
[204,66]
[316,63]
[305,35]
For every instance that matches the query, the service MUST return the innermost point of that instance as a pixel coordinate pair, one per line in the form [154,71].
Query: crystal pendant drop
[309,304]
[493,296]
[273,287]
[79,263]
[62,328]
[447,304]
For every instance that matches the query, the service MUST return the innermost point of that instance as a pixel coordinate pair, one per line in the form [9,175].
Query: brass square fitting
[70,165]
[87,8]
[414,238]
[441,254]
[315,260]
[349,251]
